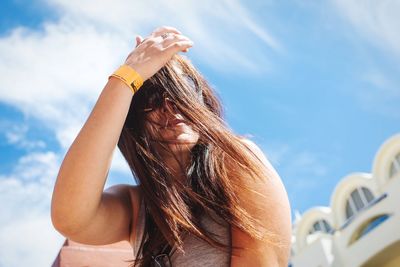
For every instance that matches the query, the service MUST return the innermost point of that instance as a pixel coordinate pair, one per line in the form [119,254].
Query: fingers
[170,39]
[177,46]
[164,29]
[173,37]
[177,42]
[139,39]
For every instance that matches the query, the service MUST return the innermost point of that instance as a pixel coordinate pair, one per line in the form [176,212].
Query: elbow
[62,219]
[58,219]
[66,213]
[63,224]
[68,220]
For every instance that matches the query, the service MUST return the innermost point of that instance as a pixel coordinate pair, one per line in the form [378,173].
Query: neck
[177,161]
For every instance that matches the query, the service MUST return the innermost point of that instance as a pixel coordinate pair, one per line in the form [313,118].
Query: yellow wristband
[129,76]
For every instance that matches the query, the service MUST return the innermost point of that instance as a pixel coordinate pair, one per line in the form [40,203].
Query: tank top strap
[139,227]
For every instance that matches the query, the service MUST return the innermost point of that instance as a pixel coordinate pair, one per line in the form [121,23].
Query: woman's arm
[269,203]
[79,186]
[79,208]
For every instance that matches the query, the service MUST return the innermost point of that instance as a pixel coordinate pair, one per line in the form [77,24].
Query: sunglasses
[162,260]
[153,98]
[155,101]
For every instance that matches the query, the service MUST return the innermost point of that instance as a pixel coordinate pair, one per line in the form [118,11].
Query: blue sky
[316,83]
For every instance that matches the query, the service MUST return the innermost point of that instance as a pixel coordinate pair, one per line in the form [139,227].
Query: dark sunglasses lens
[153,101]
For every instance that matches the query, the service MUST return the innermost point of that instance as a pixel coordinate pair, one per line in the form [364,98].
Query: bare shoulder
[114,218]
[267,201]
[255,149]
[129,194]
[129,189]
[272,188]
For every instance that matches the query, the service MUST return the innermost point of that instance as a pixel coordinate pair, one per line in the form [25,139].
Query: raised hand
[153,52]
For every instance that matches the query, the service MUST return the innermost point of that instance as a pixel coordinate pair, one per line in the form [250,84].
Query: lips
[171,123]
[174,122]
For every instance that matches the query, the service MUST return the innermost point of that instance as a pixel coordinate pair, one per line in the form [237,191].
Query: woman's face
[165,124]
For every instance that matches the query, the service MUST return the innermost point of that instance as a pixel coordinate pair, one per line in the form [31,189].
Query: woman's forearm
[83,172]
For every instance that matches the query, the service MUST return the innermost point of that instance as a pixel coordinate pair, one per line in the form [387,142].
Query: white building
[361,228]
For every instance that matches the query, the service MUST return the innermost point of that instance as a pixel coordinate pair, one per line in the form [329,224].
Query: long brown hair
[219,163]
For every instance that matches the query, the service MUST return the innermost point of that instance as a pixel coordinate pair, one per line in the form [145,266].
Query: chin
[178,143]
[183,142]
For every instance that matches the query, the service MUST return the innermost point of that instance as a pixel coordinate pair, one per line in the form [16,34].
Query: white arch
[307,220]
[384,158]
[335,215]
[343,190]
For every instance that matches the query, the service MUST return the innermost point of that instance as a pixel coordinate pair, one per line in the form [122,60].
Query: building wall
[378,247]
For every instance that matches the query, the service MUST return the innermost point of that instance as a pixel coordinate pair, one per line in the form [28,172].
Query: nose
[169,111]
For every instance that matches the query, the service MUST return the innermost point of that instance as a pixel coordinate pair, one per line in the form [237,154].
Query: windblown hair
[220,162]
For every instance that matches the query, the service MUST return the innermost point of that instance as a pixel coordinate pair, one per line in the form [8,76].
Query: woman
[205,196]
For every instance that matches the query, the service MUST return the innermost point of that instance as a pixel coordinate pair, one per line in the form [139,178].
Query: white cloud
[384,84]
[276,152]
[59,86]
[16,135]
[378,21]
[25,224]
[379,93]
[55,75]
[29,241]
[308,162]
[246,19]
[300,169]
[225,34]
